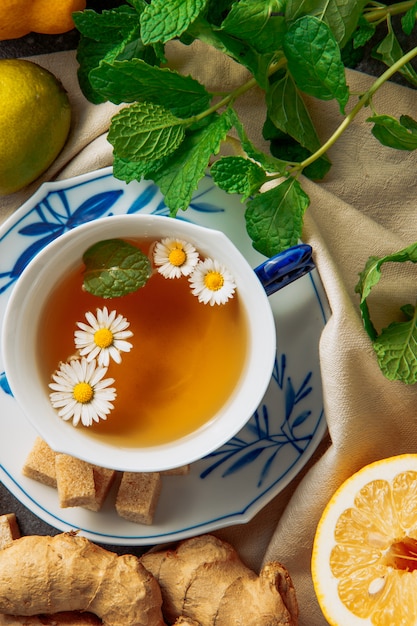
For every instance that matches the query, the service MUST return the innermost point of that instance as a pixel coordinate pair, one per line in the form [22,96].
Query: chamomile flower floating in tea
[175,257]
[104,337]
[81,393]
[212,283]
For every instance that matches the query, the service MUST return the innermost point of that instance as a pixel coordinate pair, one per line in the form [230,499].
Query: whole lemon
[35,119]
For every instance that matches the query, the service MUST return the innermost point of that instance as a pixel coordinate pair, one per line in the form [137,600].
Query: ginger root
[47,575]
[204,580]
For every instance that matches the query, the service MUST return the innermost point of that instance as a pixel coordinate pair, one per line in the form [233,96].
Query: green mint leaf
[163,21]
[261,23]
[314,60]
[274,218]
[108,26]
[408,310]
[288,112]
[389,51]
[217,9]
[341,16]
[243,53]
[145,131]
[114,268]
[127,81]
[392,133]
[268,162]
[178,177]
[365,31]
[396,350]
[371,275]
[408,20]
[104,37]
[286,148]
[236,174]
[126,170]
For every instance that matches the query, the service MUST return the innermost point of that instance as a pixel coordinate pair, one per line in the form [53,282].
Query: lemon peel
[35,120]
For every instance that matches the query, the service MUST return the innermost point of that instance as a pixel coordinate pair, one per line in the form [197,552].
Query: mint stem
[364,101]
[382,12]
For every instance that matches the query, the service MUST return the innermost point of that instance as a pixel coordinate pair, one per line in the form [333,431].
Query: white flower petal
[82,371]
[85,339]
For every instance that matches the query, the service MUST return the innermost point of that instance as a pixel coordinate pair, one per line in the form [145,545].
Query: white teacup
[23,356]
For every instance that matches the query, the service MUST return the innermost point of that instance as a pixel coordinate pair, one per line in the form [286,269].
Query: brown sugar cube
[103,481]
[138,496]
[75,482]
[183,470]
[9,530]
[40,463]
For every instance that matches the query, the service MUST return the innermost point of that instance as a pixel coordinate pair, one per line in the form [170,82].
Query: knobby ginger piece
[75,482]
[175,569]
[40,463]
[204,580]
[57,619]
[138,496]
[41,574]
[9,530]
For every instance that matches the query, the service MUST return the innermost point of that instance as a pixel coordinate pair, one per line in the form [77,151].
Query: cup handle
[285,267]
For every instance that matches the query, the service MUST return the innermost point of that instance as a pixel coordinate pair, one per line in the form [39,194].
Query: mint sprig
[173,126]
[396,345]
[114,268]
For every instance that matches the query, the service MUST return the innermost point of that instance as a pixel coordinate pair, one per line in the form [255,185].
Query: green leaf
[163,21]
[236,174]
[128,81]
[288,112]
[274,218]
[234,47]
[268,162]
[314,60]
[105,37]
[341,16]
[108,26]
[178,176]
[370,276]
[114,268]
[259,22]
[365,31]
[389,51]
[145,131]
[401,134]
[408,20]
[396,349]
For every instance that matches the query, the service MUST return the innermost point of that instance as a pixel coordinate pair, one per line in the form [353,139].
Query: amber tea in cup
[191,359]
[185,360]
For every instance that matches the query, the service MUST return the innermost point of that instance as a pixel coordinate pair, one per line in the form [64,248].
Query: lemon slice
[364,562]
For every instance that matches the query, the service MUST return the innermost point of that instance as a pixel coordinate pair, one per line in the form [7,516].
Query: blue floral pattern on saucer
[231,484]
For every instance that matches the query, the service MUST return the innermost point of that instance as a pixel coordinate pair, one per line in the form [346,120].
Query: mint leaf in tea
[114,268]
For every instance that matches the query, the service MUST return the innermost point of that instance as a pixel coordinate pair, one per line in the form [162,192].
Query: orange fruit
[20,17]
[364,562]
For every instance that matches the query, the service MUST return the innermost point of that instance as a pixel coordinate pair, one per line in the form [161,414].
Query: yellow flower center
[213,281]
[177,257]
[103,337]
[83,392]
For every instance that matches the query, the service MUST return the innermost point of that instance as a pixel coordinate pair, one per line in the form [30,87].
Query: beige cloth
[367,205]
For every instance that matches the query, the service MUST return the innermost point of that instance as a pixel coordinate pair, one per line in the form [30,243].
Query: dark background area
[35,44]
